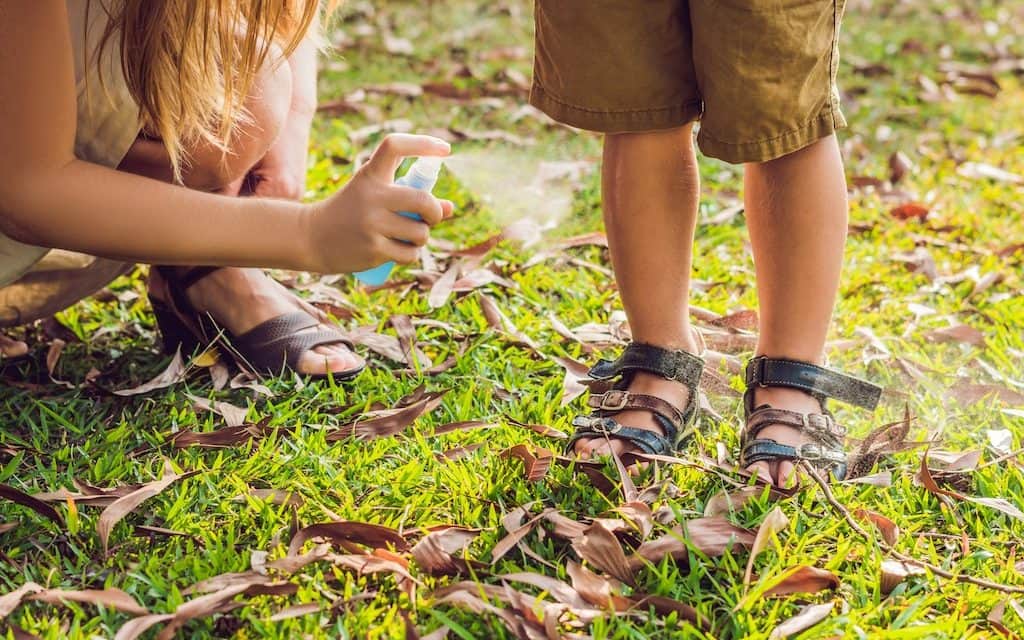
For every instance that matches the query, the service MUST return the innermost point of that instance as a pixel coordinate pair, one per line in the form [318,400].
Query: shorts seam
[826,112]
[549,96]
[832,66]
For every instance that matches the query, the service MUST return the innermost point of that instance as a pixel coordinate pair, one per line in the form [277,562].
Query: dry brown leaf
[246,380]
[20,497]
[461,426]
[803,579]
[962,333]
[349,535]
[725,502]
[893,572]
[967,392]
[599,546]
[890,532]
[517,530]
[442,289]
[880,479]
[389,422]
[124,505]
[744,320]
[500,322]
[711,536]
[980,171]
[111,598]
[200,607]
[910,210]
[575,372]
[10,601]
[565,527]
[595,589]
[808,617]
[296,611]
[595,238]
[772,524]
[273,496]
[226,436]
[899,166]
[535,464]
[924,476]
[173,374]
[233,416]
[457,453]
[542,429]
[434,552]
[559,590]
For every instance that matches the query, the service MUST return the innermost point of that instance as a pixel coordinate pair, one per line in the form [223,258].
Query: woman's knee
[266,110]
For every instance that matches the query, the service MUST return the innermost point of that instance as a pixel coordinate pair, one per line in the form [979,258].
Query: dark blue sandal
[678,424]
[826,451]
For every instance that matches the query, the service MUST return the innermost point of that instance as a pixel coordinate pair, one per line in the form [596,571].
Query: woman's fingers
[407,230]
[415,201]
[397,146]
[403,252]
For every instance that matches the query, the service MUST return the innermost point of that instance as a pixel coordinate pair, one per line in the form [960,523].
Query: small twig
[1000,459]
[939,571]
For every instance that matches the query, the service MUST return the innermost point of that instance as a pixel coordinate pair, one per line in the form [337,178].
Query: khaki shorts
[758,74]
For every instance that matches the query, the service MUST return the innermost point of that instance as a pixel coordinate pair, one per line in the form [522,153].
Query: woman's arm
[49,198]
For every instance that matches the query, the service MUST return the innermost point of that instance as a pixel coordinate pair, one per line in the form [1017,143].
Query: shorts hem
[827,123]
[618,121]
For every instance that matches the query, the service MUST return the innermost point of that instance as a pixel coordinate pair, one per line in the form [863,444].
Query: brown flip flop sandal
[268,348]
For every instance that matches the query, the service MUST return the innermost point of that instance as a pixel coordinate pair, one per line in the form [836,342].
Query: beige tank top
[108,123]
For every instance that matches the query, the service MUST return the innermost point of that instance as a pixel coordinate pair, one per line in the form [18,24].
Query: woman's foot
[644,383]
[240,299]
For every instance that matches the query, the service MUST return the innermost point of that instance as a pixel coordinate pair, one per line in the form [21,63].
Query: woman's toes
[329,358]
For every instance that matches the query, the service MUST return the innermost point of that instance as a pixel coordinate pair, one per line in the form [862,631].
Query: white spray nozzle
[426,168]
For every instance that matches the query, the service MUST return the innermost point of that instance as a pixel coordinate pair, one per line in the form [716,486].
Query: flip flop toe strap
[598,427]
[284,340]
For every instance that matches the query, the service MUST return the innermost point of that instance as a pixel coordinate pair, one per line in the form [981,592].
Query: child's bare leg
[650,188]
[796,210]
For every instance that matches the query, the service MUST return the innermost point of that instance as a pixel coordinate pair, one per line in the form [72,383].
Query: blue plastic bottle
[421,175]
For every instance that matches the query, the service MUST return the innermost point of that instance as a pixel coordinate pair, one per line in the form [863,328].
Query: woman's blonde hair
[190,64]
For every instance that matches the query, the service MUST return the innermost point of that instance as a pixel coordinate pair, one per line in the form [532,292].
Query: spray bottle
[421,175]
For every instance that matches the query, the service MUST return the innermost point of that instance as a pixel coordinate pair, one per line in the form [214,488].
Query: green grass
[53,435]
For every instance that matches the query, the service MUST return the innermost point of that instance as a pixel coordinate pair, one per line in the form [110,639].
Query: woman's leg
[796,210]
[241,299]
[650,189]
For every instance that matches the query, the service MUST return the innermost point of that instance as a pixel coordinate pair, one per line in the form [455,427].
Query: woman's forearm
[96,210]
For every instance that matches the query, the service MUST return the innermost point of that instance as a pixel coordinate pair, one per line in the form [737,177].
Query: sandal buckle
[614,400]
[811,452]
[606,426]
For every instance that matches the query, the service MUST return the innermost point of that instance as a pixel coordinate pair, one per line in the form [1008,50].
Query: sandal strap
[283,340]
[619,400]
[594,426]
[819,456]
[179,281]
[821,426]
[676,365]
[818,381]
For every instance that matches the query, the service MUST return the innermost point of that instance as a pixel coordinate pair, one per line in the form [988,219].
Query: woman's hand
[359,227]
